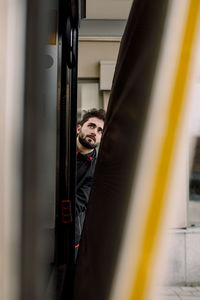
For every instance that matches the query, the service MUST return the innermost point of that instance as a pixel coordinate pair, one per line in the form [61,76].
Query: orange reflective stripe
[77,246]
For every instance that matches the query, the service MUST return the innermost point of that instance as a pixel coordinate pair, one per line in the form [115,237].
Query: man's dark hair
[93,113]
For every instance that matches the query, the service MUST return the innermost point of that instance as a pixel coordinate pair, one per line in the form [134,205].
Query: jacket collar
[89,156]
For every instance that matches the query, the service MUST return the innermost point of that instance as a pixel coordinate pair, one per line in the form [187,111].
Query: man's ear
[78,128]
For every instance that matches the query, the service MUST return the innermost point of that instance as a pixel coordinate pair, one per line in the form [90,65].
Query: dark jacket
[85,173]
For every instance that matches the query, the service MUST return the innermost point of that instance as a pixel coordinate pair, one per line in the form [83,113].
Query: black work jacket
[85,173]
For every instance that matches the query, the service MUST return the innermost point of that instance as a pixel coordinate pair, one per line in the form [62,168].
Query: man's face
[90,132]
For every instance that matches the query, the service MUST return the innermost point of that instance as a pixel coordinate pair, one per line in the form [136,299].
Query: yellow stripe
[157,199]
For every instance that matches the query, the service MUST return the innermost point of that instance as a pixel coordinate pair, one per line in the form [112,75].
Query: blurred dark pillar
[39,157]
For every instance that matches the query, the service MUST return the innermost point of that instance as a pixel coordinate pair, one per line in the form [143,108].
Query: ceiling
[108,9]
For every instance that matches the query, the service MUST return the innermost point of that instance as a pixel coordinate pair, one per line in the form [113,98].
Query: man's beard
[86,144]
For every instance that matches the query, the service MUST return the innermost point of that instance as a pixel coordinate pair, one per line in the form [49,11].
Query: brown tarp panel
[115,170]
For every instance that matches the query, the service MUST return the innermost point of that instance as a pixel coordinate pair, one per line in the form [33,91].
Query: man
[89,133]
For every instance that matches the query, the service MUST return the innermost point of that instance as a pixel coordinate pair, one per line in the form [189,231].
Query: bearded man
[89,133]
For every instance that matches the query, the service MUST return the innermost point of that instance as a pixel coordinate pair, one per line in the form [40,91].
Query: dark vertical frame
[67,118]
